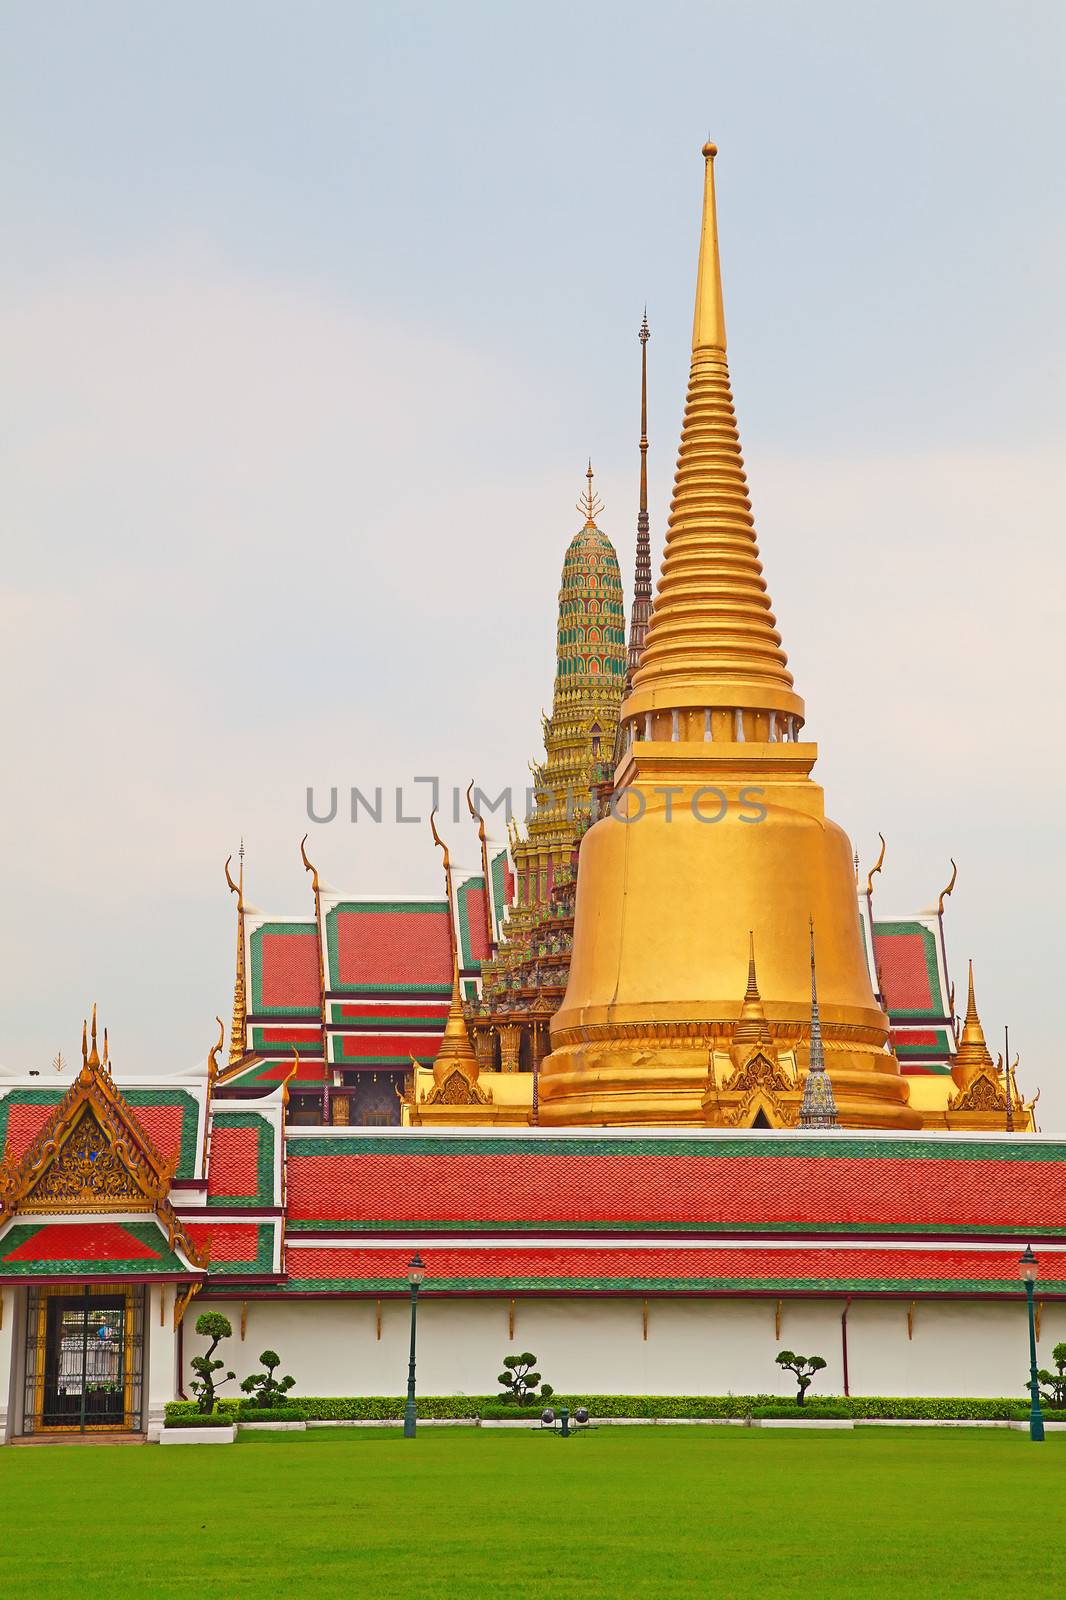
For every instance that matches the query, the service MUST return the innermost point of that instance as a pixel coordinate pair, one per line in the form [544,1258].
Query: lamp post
[416,1271]
[1027,1266]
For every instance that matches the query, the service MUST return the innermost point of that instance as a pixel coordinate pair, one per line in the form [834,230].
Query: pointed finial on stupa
[590,504]
[708,324]
[712,638]
[751,1024]
[456,1049]
[818,1108]
[973,1055]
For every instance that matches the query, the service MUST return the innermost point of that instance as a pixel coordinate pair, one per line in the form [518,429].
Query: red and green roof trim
[389,947]
[235,1249]
[240,1170]
[811,1270]
[284,966]
[88,1249]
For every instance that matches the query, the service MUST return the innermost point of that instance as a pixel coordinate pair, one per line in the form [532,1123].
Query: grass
[654,1513]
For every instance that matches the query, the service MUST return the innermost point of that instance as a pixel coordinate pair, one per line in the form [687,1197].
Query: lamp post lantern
[1027,1266]
[416,1271]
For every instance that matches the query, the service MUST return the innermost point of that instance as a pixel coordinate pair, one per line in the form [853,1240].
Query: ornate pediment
[457,1089]
[983,1093]
[762,1106]
[85,1171]
[759,1069]
[92,1155]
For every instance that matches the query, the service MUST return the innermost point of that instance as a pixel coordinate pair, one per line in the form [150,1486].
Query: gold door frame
[49,1291]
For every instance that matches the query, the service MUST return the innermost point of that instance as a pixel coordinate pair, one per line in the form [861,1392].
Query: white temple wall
[160,1354]
[8,1364]
[709,1346]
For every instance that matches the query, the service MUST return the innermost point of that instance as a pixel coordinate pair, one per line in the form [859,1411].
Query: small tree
[520,1381]
[1054,1395]
[214,1326]
[804,1368]
[268,1390]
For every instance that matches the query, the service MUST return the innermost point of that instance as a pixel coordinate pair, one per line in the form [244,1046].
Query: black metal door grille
[84,1358]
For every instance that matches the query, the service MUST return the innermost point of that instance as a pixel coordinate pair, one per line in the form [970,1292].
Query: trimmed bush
[179,1411]
[389,1408]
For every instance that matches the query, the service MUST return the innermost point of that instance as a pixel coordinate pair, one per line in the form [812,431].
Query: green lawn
[625,1513]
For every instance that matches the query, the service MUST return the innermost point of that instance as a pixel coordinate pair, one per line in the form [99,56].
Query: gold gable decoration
[92,1155]
[458,1089]
[85,1172]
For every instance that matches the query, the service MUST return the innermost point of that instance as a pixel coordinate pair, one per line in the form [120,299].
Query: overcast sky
[309,318]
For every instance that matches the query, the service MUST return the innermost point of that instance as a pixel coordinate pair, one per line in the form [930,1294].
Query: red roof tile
[714,1185]
[515,1268]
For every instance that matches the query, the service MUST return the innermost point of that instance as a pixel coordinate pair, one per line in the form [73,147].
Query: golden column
[717,828]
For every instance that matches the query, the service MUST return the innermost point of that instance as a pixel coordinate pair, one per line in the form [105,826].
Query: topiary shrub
[266,1390]
[214,1326]
[804,1368]
[1054,1391]
[520,1381]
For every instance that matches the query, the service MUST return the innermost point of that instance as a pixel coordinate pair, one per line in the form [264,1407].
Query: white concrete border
[271,1427]
[198,1435]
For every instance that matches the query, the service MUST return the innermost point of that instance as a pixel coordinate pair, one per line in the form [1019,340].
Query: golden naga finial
[474,812]
[590,505]
[212,1054]
[945,892]
[107,1055]
[308,866]
[876,868]
[289,1077]
[439,841]
[238,887]
[84,1044]
[453,941]
[490,932]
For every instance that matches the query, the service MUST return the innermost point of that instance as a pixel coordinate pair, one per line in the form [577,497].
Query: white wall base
[708,1346]
[198,1435]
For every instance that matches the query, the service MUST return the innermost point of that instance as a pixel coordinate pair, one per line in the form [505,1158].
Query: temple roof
[710,1182]
[579,1268]
[170,1116]
[133,1246]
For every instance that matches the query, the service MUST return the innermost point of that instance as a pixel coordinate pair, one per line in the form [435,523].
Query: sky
[310,317]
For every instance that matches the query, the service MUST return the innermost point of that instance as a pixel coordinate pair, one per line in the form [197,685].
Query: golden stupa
[717,830]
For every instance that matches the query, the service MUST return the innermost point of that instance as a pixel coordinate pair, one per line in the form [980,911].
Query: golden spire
[708,322]
[712,643]
[238,1029]
[94,1054]
[972,1057]
[751,1024]
[455,1044]
[590,505]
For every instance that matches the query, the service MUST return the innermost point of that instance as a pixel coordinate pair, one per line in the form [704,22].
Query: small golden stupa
[717,827]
